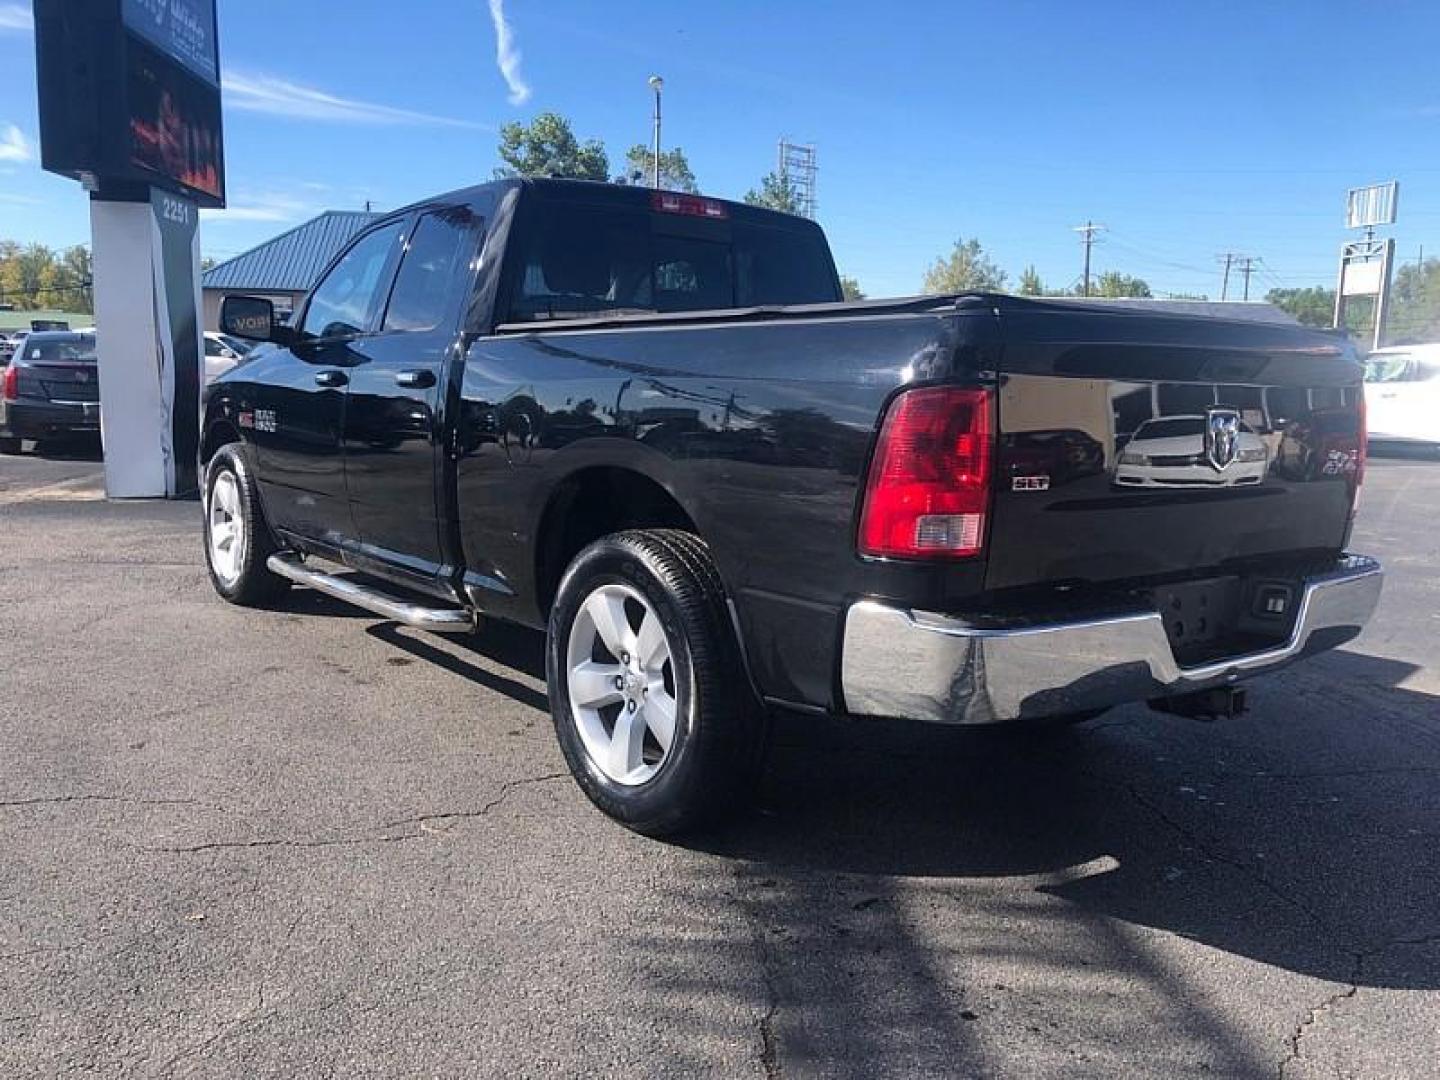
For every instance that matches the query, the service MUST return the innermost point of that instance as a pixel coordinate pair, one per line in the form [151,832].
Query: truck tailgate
[1139,446]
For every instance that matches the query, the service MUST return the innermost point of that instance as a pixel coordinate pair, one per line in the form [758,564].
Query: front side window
[429,272]
[346,298]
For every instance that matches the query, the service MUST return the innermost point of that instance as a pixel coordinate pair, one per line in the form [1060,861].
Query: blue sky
[1187,129]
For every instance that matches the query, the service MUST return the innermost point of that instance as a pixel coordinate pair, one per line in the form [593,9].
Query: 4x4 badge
[1222,437]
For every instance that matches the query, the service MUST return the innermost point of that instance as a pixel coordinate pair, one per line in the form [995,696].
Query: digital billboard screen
[174,124]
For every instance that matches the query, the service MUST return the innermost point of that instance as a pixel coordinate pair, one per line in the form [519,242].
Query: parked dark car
[49,388]
[647,423]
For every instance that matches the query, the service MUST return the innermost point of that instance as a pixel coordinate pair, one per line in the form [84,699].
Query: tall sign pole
[1366,265]
[657,84]
[129,94]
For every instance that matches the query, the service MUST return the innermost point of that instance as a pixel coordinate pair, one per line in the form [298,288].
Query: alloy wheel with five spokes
[227,528]
[620,673]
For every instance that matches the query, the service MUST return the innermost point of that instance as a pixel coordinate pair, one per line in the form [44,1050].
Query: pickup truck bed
[963,509]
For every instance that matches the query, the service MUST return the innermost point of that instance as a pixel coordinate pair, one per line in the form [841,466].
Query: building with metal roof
[282,269]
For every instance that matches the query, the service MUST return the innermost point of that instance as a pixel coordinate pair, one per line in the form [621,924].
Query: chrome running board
[436,620]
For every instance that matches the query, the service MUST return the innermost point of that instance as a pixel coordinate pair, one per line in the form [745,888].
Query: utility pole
[1247,267]
[1087,238]
[657,84]
[1229,257]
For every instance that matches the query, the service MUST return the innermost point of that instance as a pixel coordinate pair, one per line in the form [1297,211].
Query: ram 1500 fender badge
[1222,437]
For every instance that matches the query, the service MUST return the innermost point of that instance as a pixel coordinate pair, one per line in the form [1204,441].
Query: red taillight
[928,492]
[673,202]
[10,388]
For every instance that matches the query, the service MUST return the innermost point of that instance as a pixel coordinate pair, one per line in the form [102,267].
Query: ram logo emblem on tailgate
[1222,437]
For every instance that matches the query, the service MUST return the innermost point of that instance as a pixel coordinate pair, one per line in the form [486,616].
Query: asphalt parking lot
[307,843]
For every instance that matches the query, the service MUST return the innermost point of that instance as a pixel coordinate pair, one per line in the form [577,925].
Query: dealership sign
[129,94]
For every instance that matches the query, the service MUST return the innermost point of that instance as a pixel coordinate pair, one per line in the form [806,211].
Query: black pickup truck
[647,423]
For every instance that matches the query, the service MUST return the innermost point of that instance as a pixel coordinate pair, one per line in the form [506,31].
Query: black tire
[254,584]
[718,744]
[9,444]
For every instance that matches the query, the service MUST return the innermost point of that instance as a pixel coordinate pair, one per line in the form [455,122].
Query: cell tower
[796,164]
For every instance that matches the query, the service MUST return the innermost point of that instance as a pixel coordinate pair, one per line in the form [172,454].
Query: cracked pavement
[304,842]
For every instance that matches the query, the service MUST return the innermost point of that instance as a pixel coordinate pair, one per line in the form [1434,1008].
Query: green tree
[1030,283]
[1313,307]
[675,173]
[548,147]
[75,270]
[967,268]
[775,192]
[1415,304]
[1112,283]
[35,276]
[851,288]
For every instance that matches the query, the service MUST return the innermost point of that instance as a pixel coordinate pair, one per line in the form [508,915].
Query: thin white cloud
[507,56]
[14,146]
[16,17]
[260,93]
[274,206]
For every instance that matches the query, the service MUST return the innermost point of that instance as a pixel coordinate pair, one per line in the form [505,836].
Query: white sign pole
[148,340]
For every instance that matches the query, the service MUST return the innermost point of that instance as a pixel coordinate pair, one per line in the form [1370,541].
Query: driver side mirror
[253,318]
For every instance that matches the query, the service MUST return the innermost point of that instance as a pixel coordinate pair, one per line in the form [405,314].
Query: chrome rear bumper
[920,665]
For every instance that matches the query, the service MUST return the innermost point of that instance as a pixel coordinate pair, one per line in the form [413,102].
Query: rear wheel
[10,445]
[237,539]
[651,703]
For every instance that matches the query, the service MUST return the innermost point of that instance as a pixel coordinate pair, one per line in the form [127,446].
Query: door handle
[331,378]
[415,379]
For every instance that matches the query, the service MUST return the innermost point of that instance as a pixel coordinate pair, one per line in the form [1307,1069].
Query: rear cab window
[597,257]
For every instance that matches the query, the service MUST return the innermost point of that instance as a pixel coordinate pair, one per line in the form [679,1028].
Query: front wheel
[11,445]
[651,703]
[237,539]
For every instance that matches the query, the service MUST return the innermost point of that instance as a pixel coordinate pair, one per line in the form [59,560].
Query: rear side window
[585,260]
[429,273]
[781,266]
[346,298]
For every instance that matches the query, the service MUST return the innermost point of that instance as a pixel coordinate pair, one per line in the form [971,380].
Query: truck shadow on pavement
[1300,837]
[507,646]
[908,899]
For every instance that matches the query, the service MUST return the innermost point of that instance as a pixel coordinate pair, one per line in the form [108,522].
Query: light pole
[657,84]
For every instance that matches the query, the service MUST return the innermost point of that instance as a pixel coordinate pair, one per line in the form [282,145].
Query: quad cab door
[394,430]
[298,419]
